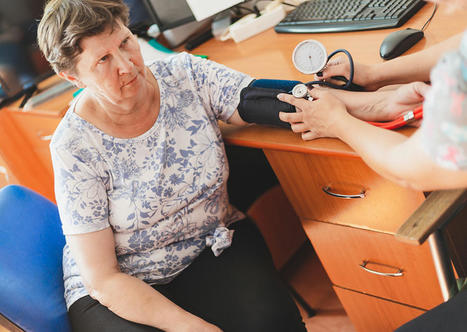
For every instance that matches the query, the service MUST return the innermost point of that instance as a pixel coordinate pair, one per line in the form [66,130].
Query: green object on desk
[158,46]
[154,43]
[77,92]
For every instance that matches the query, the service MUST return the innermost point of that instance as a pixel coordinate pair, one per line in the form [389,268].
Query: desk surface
[268,55]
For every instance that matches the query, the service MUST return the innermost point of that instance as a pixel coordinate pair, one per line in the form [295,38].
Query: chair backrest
[31,277]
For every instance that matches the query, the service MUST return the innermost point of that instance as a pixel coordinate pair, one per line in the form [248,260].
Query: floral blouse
[163,193]
[444,126]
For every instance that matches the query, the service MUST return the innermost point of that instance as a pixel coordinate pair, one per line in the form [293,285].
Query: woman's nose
[124,63]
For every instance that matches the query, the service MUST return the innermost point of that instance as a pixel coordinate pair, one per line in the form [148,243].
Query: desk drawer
[38,129]
[372,314]
[342,250]
[384,207]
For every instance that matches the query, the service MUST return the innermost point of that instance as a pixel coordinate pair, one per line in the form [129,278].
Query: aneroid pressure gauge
[309,56]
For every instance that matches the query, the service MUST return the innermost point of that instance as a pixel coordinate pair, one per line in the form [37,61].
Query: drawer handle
[4,171]
[44,137]
[399,272]
[327,190]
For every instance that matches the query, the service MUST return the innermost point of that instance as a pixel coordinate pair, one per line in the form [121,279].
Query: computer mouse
[398,42]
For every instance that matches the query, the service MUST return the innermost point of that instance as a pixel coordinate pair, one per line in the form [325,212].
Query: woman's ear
[72,78]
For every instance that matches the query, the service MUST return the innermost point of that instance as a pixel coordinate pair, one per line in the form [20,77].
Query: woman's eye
[125,41]
[103,59]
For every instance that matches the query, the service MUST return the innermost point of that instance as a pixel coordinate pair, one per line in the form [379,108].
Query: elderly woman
[140,173]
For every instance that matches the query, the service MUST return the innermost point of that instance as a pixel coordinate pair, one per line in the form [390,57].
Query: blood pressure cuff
[259,103]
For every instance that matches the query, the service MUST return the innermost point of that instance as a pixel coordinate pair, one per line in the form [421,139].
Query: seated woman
[140,181]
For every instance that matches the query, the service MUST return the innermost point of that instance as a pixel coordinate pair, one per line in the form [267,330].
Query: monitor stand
[177,36]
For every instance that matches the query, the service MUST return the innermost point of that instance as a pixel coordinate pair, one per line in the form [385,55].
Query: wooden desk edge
[435,211]
[282,139]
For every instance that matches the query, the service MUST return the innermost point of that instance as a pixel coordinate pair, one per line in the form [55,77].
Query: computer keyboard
[316,16]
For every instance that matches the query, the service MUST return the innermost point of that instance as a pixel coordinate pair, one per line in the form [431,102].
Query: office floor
[307,277]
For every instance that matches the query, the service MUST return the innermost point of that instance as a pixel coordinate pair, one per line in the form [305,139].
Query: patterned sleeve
[444,127]
[79,189]
[218,86]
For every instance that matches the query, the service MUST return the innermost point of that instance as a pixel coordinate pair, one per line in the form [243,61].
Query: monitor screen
[21,61]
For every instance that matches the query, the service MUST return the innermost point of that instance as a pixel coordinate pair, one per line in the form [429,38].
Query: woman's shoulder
[71,130]
[172,64]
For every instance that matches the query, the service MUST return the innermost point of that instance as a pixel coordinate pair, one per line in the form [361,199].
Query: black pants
[239,291]
[250,175]
[450,316]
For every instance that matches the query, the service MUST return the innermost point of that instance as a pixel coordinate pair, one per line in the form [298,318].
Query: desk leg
[446,279]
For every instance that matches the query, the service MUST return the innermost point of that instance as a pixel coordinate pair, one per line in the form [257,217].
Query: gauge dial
[309,56]
[300,91]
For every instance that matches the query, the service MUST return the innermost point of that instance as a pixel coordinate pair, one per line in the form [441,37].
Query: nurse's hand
[406,98]
[363,74]
[317,118]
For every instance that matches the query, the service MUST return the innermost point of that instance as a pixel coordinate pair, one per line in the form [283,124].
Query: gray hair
[66,22]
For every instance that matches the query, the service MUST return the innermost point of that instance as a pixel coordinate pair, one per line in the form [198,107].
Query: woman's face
[111,65]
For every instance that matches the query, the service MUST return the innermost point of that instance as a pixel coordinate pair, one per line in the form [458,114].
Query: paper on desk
[202,9]
[150,53]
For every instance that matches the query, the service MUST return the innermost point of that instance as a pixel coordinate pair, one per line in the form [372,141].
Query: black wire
[247,9]
[256,9]
[253,10]
[431,17]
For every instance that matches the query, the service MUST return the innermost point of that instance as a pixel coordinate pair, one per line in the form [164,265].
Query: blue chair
[31,277]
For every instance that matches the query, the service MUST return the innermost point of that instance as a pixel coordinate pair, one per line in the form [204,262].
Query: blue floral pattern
[163,193]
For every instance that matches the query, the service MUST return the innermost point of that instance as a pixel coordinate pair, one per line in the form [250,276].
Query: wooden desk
[346,233]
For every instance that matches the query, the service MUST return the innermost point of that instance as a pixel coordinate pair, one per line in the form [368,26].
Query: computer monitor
[174,13]
[169,14]
[203,9]
[21,62]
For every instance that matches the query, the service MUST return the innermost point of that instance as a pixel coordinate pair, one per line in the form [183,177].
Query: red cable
[401,121]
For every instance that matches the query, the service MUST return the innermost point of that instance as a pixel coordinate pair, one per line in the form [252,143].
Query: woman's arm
[237,120]
[371,106]
[389,153]
[397,157]
[126,296]
[382,105]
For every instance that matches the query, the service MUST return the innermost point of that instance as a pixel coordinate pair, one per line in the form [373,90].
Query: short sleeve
[79,189]
[218,86]
[444,127]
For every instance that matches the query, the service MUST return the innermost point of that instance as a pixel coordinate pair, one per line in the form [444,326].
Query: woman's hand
[364,75]
[193,324]
[316,118]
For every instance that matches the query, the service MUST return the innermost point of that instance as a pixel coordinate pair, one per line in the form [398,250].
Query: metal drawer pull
[4,171]
[44,137]
[399,272]
[327,190]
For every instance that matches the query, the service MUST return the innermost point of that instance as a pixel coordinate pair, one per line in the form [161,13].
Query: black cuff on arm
[261,106]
